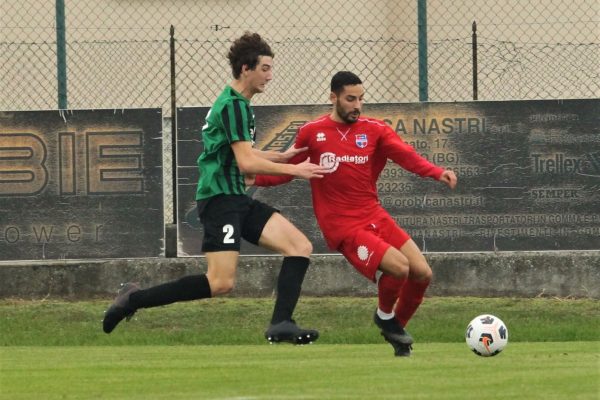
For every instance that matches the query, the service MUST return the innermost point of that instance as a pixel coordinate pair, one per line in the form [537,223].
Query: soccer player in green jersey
[227,162]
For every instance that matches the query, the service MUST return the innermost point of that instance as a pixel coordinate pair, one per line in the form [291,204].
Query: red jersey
[355,154]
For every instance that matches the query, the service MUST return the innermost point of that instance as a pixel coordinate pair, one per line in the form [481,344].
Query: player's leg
[413,291]
[394,265]
[221,269]
[131,298]
[388,290]
[280,235]
[392,281]
[368,252]
[406,259]
[395,271]
[222,235]
[269,229]
[397,267]
[406,276]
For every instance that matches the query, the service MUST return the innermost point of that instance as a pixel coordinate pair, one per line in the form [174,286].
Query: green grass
[215,350]
[243,321]
[435,371]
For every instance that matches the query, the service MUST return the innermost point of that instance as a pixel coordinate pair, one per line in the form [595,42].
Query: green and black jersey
[230,120]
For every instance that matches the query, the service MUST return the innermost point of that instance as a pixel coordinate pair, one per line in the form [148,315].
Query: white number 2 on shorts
[228,231]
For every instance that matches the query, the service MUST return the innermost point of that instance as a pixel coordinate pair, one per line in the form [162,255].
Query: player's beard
[348,117]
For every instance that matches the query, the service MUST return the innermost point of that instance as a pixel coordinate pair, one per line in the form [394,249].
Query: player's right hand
[308,170]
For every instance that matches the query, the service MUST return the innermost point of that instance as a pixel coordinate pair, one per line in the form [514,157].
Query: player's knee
[219,286]
[306,248]
[422,273]
[427,275]
[301,247]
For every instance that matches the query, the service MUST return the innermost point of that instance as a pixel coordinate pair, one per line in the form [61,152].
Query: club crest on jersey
[361,140]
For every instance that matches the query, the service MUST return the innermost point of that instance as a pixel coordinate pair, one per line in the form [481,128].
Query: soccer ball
[486,335]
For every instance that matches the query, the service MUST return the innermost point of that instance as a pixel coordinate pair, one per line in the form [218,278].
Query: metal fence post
[61,54]
[474,60]
[171,229]
[422,26]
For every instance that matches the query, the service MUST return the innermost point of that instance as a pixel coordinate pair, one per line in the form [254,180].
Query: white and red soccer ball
[486,335]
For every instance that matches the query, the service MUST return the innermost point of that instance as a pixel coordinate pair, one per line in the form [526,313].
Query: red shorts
[365,247]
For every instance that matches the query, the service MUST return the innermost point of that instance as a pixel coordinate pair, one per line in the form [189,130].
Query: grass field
[215,350]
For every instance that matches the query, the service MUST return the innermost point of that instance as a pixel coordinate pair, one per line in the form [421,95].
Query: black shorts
[229,218]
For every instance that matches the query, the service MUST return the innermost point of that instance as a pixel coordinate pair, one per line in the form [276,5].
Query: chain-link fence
[117,52]
[539,49]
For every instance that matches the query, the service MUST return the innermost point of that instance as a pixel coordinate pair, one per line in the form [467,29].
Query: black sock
[289,284]
[190,287]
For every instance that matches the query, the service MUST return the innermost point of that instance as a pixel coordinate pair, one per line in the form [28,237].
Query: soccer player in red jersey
[355,150]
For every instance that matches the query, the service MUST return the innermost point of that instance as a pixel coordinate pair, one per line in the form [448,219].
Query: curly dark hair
[245,51]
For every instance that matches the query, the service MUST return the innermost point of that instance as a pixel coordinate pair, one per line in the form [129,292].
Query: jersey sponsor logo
[361,140]
[331,161]
[321,137]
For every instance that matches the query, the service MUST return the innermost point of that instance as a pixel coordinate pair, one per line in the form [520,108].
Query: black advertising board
[529,174]
[81,184]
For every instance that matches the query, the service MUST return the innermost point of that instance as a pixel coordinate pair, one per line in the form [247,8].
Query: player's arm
[235,121]
[406,156]
[295,154]
[274,180]
[273,156]
[279,157]
[251,164]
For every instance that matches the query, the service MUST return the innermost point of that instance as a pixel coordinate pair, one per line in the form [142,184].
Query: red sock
[388,290]
[411,297]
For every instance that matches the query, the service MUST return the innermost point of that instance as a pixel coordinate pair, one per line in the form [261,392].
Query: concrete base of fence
[518,274]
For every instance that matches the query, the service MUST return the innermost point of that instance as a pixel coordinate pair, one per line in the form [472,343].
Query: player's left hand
[291,152]
[449,178]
